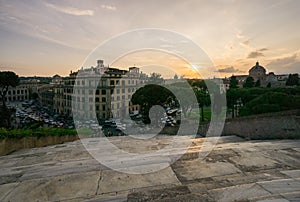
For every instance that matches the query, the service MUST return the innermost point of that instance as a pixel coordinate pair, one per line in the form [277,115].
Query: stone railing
[9,145]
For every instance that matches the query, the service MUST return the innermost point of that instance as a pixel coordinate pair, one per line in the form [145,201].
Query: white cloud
[108,7]
[72,11]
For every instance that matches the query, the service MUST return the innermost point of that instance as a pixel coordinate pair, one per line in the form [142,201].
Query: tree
[155,78]
[7,79]
[233,82]
[257,83]
[249,83]
[293,80]
[203,99]
[232,97]
[151,95]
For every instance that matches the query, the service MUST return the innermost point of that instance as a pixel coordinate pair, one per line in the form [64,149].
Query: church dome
[257,68]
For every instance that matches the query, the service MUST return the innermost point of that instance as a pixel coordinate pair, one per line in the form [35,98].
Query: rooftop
[234,170]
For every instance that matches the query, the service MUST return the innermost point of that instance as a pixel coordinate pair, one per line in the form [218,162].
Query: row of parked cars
[31,111]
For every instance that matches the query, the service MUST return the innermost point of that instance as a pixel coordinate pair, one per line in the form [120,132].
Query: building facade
[98,91]
[259,72]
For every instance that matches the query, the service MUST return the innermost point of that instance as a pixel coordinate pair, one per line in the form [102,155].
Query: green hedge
[39,132]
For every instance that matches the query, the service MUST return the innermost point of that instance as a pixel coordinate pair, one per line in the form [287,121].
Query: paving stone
[238,193]
[249,161]
[286,157]
[62,168]
[260,170]
[158,194]
[281,186]
[292,173]
[113,181]
[274,200]
[192,170]
[292,197]
[5,189]
[56,188]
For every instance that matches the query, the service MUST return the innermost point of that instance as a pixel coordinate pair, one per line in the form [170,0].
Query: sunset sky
[53,37]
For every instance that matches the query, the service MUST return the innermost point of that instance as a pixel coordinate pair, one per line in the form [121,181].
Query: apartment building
[98,91]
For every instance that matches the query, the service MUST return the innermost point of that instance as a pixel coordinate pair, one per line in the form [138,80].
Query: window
[91,107]
[83,91]
[123,97]
[123,90]
[129,90]
[118,91]
[128,81]
[103,92]
[97,99]
[97,92]
[112,106]
[82,82]
[103,107]
[90,99]
[103,99]
[90,92]
[123,83]
[112,82]
[118,97]
[97,107]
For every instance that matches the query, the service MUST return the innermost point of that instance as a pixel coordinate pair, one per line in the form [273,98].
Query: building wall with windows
[98,91]
[18,93]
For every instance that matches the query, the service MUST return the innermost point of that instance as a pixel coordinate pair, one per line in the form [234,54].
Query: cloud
[228,70]
[71,10]
[284,61]
[240,35]
[263,49]
[285,65]
[108,7]
[255,54]
[246,42]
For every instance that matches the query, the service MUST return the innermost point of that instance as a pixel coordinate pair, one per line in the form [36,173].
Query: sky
[50,37]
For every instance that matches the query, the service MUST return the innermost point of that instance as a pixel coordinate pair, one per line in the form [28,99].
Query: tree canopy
[249,83]
[7,79]
[233,82]
[293,80]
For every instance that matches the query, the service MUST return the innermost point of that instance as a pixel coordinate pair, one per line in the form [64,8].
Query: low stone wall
[280,125]
[10,145]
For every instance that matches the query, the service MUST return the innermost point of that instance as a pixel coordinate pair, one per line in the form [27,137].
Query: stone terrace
[235,170]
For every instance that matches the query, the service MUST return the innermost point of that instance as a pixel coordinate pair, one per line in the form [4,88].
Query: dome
[257,67]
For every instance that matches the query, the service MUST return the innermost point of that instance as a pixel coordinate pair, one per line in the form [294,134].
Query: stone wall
[280,125]
[10,145]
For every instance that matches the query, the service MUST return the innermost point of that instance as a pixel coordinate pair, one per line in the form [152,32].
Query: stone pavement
[235,170]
